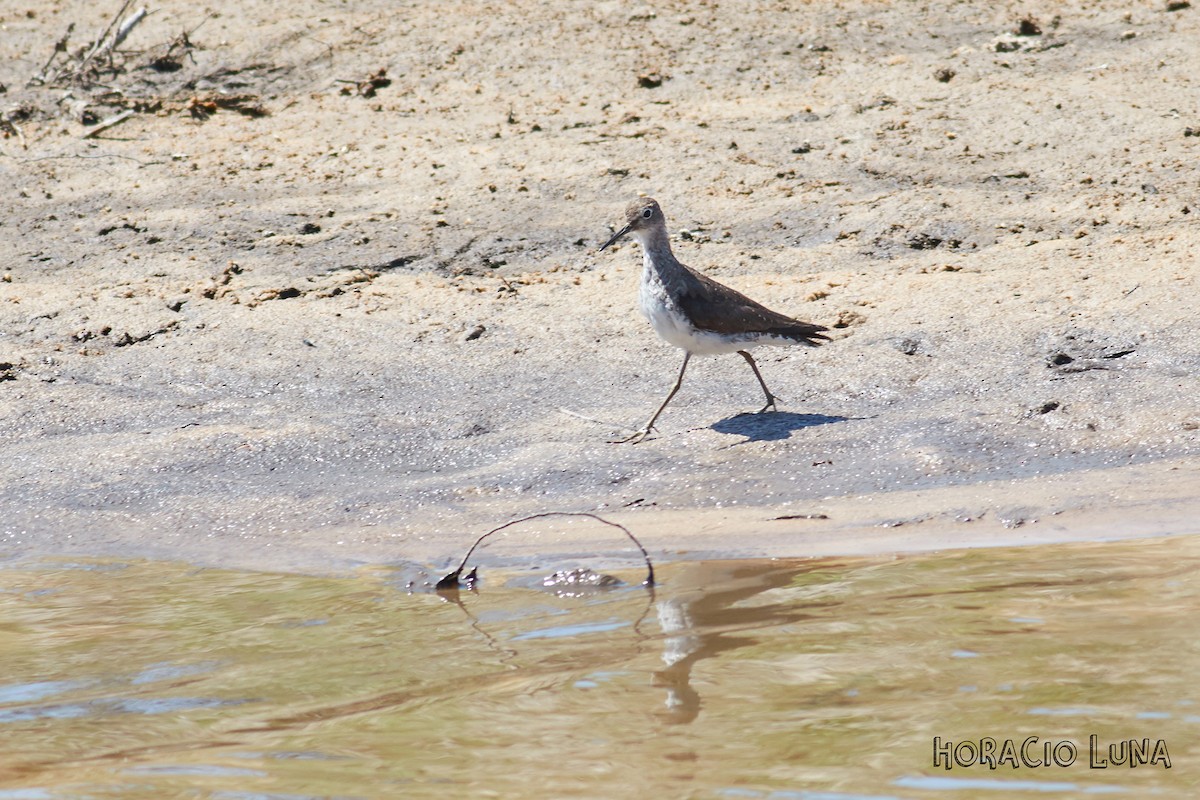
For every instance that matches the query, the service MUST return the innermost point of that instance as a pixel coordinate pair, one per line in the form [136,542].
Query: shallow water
[817,680]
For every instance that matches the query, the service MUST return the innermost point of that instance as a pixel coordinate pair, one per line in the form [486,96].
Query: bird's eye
[646,212]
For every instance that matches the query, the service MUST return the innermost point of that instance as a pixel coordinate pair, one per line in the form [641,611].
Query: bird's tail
[803,333]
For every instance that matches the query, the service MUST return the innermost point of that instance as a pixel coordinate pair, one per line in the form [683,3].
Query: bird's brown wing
[712,306]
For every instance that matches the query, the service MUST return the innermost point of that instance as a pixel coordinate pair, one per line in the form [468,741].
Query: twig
[9,125]
[577,415]
[99,44]
[451,580]
[96,155]
[199,26]
[126,27]
[59,47]
[111,122]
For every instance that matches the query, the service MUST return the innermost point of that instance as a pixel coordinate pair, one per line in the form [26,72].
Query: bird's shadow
[773,426]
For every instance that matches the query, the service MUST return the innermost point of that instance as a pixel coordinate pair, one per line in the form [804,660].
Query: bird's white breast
[673,327]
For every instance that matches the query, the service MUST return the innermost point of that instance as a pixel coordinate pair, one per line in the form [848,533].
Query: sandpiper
[697,314]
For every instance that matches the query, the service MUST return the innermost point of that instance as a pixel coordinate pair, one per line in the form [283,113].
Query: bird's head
[641,215]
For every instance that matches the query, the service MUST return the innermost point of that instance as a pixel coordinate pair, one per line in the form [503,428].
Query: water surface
[820,680]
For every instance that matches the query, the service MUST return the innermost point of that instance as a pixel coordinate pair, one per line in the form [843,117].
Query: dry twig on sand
[84,67]
[111,122]
[10,128]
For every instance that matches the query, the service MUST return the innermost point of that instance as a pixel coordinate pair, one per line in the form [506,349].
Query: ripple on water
[820,679]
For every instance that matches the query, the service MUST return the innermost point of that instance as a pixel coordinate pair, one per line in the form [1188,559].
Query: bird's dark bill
[616,236]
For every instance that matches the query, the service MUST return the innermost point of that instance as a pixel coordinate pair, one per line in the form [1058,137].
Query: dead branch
[111,122]
[84,67]
[59,47]
[451,581]
[98,45]
[10,128]
[127,26]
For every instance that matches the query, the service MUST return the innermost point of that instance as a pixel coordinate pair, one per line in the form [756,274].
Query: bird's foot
[770,404]
[635,438]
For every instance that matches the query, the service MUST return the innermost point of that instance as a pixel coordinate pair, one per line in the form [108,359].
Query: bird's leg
[644,432]
[770,397]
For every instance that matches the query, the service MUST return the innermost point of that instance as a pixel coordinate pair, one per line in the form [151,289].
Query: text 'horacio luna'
[1032,752]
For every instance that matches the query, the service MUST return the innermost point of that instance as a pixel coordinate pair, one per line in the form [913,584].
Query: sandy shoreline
[1123,503]
[292,312]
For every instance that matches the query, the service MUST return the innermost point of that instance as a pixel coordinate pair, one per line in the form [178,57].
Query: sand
[331,293]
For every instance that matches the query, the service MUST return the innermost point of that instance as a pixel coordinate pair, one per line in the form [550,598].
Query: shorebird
[697,314]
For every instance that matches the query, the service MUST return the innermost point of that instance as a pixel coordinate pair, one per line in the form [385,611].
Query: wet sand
[284,317]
